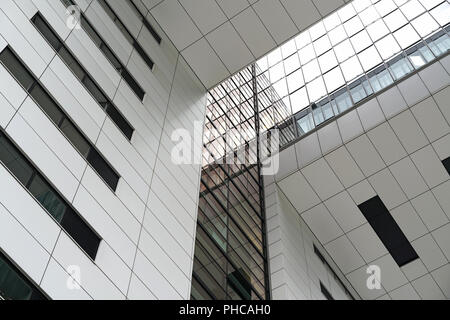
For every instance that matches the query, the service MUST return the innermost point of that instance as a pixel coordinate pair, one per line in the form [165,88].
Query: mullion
[232,218]
[245,234]
[229,260]
[200,245]
[228,179]
[256,267]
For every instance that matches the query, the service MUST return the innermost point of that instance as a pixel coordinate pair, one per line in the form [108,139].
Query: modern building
[136,137]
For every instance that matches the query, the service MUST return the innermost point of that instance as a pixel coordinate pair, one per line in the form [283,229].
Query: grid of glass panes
[348,44]
[230,113]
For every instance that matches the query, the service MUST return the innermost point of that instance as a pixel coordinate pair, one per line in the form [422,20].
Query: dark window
[83,76]
[74,135]
[133,84]
[126,33]
[119,120]
[14,285]
[446,164]
[325,292]
[109,54]
[103,169]
[388,231]
[80,232]
[15,162]
[47,104]
[59,118]
[51,37]
[146,23]
[17,69]
[324,261]
[143,54]
[48,197]
[319,255]
[240,282]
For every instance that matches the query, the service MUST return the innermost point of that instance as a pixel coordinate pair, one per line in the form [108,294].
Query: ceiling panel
[257,27]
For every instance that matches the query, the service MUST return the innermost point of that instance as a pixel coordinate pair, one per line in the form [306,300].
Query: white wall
[392,146]
[295,270]
[148,224]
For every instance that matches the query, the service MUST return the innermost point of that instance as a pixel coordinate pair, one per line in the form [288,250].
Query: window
[325,292]
[17,70]
[388,231]
[59,118]
[48,197]
[400,66]
[103,169]
[126,33]
[146,23]
[446,164]
[14,285]
[109,54]
[84,77]
[324,261]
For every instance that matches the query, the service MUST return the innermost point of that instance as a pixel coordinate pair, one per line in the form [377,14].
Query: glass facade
[230,254]
[354,53]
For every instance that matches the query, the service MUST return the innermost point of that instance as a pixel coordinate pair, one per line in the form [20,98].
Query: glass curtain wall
[230,255]
[357,51]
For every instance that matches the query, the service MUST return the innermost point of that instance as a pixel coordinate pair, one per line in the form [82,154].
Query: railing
[414,58]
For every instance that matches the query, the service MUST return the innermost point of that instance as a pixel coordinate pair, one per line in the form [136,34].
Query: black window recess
[14,285]
[388,231]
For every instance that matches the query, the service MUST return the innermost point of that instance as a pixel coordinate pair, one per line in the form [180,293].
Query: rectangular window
[446,164]
[109,54]
[83,76]
[127,34]
[388,231]
[60,119]
[48,197]
[325,292]
[14,285]
[146,23]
